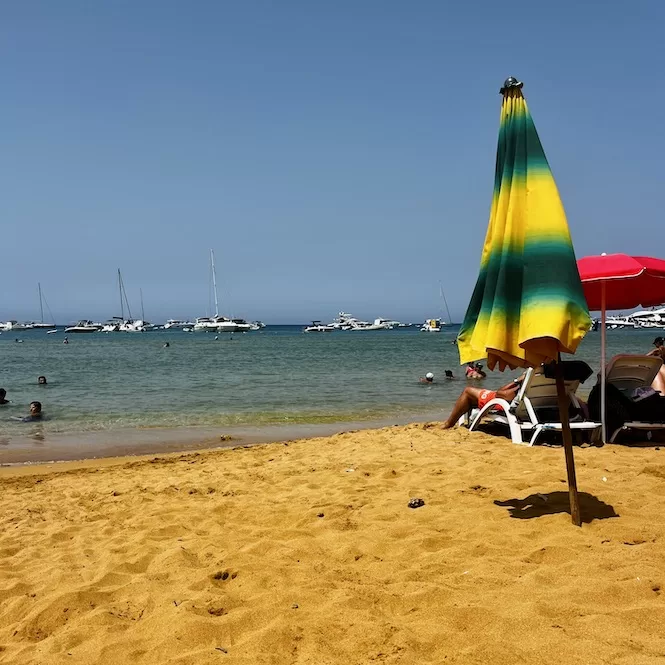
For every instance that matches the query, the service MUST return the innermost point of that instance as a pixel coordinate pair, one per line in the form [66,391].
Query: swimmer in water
[35,413]
[3,394]
[166,345]
[41,380]
[428,378]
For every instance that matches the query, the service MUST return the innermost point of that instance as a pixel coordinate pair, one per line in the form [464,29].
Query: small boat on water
[435,325]
[177,324]
[84,326]
[432,325]
[318,327]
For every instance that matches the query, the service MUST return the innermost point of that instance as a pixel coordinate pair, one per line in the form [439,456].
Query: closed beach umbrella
[528,305]
[619,281]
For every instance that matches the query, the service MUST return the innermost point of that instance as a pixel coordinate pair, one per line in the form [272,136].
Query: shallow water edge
[66,447]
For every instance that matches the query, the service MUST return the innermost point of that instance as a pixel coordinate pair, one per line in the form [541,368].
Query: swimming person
[428,378]
[474,371]
[35,413]
[41,380]
[65,341]
[3,394]
[478,397]
[449,374]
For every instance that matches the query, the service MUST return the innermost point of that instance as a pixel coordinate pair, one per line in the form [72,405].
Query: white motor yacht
[15,325]
[84,326]
[318,327]
[650,318]
[379,324]
[131,325]
[618,322]
[345,321]
[112,326]
[221,324]
[432,325]
[177,324]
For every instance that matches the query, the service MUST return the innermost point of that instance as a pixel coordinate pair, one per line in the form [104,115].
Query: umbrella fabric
[528,304]
[629,281]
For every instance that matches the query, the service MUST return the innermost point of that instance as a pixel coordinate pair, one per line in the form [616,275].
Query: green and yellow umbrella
[528,305]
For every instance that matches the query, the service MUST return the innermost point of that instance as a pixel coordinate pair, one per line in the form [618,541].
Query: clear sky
[336,155]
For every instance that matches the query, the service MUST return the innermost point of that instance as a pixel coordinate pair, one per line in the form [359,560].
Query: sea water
[276,376]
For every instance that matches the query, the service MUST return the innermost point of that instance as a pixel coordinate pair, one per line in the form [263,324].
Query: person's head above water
[41,380]
[449,374]
[659,341]
[3,394]
[35,408]
[429,377]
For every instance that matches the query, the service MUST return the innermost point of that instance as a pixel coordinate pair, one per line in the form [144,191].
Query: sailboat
[219,323]
[119,323]
[435,325]
[41,324]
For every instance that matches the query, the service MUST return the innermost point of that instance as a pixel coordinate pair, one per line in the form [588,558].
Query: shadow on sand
[537,505]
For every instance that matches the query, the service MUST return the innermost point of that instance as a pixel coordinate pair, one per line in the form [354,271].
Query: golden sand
[308,553]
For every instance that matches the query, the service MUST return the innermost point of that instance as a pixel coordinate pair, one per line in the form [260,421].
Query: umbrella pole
[567,445]
[603,340]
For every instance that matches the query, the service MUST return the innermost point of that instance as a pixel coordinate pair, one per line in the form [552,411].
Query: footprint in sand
[224,575]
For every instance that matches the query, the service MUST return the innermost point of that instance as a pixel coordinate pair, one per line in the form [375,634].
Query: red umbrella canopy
[630,281]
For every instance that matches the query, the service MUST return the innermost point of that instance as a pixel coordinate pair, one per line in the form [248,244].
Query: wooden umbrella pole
[567,444]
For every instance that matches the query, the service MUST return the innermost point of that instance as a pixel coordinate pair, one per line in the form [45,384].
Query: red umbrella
[619,281]
[628,281]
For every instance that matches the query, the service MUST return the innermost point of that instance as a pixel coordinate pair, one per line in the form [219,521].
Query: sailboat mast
[445,302]
[142,312]
[122,306]
[41,304]
[214,280]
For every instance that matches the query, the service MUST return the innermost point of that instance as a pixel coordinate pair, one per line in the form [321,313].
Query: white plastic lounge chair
[627,372]
[536,394]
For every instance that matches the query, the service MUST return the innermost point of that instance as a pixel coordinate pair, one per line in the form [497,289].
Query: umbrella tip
[510,82]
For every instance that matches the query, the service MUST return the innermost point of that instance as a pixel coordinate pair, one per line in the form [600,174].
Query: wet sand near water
[307,552]
[55,447]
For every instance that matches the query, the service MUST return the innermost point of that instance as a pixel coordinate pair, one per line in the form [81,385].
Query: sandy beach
[307,552]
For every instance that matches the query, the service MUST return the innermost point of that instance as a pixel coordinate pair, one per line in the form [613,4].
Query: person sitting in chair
[659,382]
[478,397]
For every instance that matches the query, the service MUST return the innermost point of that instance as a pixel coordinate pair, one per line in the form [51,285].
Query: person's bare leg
[465,402]
[659,382]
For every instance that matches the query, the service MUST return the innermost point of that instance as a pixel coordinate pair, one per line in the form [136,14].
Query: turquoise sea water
[108,382]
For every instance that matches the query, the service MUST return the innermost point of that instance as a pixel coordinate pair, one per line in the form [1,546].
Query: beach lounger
[627,372]
[534,410]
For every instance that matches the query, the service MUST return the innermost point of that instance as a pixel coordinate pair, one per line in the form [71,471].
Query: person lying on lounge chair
[478,397]
[659,382]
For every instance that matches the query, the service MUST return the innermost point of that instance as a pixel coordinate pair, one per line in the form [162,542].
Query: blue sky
[335,155]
